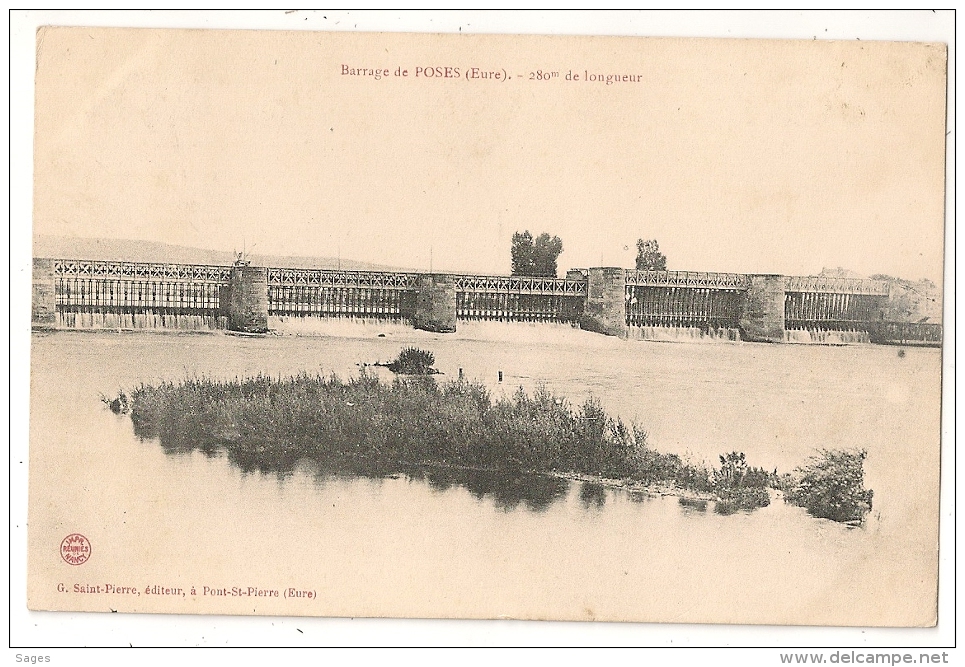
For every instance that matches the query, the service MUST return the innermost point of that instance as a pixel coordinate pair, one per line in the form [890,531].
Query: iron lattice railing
[338,278]
[141,271]
[694,279]
[476,284]
[652,296]
[827,285]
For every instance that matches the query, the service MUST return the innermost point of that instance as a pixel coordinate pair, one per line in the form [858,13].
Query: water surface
[447,543]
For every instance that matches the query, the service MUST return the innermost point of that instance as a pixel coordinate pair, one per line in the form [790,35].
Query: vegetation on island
[367,425]
[740,486]
[270,424]
[412,361]
[831,486]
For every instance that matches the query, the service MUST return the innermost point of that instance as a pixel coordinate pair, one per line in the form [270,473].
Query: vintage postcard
[486,326]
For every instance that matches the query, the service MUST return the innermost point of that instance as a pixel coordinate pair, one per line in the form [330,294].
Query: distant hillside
[129,250]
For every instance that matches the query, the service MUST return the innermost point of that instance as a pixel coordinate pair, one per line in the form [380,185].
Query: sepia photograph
[445,322]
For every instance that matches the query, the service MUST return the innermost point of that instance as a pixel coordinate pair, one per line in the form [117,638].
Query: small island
[412,361]
[367,425]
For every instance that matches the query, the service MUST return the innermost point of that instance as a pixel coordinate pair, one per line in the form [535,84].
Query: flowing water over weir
[113,295]
[820,336]
[646,305]
[685,334]
[100,319]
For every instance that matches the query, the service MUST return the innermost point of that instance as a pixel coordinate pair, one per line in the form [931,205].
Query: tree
[649,257]
[535,257]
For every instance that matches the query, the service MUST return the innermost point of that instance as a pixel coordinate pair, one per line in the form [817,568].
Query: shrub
[744,498]
[118,405]
[739,485]
[831,486]
[413,361]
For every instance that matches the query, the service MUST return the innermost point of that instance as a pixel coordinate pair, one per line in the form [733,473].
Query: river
[470,546]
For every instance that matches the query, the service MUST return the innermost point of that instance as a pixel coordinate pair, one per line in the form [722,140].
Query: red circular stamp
[75,549]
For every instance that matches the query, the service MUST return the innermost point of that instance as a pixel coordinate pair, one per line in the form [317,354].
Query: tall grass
[271,424]
[366,425]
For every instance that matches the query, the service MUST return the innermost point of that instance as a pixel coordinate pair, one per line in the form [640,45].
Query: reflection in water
[638,496]
[508,489]
[592,495]
[693,505]
[249,461]
[725,507]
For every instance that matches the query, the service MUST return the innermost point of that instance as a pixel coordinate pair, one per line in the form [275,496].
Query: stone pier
[606,302]
[43,312]
[248,299]
[435,306]
[762,310]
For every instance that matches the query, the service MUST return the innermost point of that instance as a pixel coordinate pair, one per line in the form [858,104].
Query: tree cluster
[535,257]
[649,257]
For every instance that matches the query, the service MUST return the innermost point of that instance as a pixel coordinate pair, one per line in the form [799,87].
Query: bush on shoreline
[831,486]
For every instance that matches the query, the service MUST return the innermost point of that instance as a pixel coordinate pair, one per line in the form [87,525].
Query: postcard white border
[47,629]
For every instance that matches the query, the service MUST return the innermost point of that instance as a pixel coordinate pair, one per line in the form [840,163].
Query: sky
[751,156]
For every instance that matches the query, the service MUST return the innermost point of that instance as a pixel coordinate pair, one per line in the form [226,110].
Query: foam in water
[345,327]
[512,332]
[819,337]
[685,334]
[541,333]
[357,327]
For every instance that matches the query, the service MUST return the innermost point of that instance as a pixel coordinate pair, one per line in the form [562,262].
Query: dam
[658,305]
